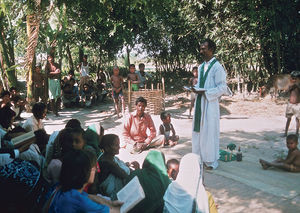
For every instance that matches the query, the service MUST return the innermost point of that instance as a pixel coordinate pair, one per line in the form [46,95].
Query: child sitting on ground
[117,90]
[86,95]
[172,168]
[292,161]
[166,128]
[133,78]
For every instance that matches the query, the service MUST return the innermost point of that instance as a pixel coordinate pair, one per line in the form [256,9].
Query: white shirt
[206,64]
[84,70]
[32,124]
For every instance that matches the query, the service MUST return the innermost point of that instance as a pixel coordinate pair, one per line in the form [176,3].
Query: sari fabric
[154,180]
[187,193]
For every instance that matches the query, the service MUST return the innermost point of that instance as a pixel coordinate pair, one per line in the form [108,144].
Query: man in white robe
[206,122]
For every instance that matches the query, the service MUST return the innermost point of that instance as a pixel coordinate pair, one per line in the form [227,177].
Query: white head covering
[187,188]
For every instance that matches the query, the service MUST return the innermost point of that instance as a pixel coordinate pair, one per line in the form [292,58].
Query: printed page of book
[131,194]
[24,138]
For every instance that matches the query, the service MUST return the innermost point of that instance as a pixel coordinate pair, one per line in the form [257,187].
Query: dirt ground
[253,124]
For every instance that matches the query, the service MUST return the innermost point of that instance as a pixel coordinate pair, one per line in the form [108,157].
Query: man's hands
[197,91]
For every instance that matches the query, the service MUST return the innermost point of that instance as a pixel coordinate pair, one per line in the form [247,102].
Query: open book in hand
[131,195]
[196,88]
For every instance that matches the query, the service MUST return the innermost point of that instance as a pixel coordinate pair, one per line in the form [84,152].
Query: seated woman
[135,129]
[113,170]
[34,123]
[154,180]
[187,193]
[78,170]
[68,140]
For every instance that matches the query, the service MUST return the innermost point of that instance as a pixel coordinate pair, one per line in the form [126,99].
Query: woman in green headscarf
[154,180]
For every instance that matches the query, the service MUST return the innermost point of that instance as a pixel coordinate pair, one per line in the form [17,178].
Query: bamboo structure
[155,98]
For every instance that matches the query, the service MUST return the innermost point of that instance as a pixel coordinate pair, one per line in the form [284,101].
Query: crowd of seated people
[86,95]
[77,170]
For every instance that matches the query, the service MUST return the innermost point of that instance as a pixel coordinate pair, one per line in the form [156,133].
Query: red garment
[135,129]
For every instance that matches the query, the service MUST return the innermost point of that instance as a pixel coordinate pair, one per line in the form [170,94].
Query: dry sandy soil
[254,125]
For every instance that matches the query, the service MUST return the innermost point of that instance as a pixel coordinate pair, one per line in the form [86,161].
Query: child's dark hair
[6,114]
[38,110]
[107,140]
[292,137]
[142,100]
[66,139]
[195,68]
[131,65]
[41,137]
[172,161]
[4,93]
[164,115]
[76,169]
[73,124]
[12,89]
[141,65]
[15,98]
[85,56]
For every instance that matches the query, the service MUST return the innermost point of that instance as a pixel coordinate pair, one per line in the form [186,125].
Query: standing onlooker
[133,78]
[84,72]
[293,106]
[117,90]
[142,75]
[53,73]
[38,84]
[206,123]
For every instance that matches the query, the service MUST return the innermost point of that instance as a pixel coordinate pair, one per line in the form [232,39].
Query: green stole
[203,77]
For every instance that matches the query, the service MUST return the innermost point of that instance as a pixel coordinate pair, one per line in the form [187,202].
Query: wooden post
[163,91]
[157,86]
[151,86]
[129,96]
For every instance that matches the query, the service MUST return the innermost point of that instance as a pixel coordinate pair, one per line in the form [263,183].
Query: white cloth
[206,142]
[188,188]
[32,124]
[33,154]
[84,70]
[49,147]
[6,159]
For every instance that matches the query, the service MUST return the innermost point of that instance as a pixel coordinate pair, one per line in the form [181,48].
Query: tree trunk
[32,25]
[71,64]
[128,55]
[11,73]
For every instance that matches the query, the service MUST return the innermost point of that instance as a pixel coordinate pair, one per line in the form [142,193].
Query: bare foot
[264,164]
[172,143]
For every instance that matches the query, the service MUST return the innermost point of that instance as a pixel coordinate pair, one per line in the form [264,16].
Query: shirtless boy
[133,77]
[117,87]
[293,106]
[292,161]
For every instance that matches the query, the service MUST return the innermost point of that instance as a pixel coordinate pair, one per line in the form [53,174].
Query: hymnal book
[131,195]
[20,140]
[196,88]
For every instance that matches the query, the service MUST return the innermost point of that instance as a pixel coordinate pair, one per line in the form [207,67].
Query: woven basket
[154,97]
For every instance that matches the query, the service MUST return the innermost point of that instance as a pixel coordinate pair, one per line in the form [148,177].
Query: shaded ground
[254,125]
